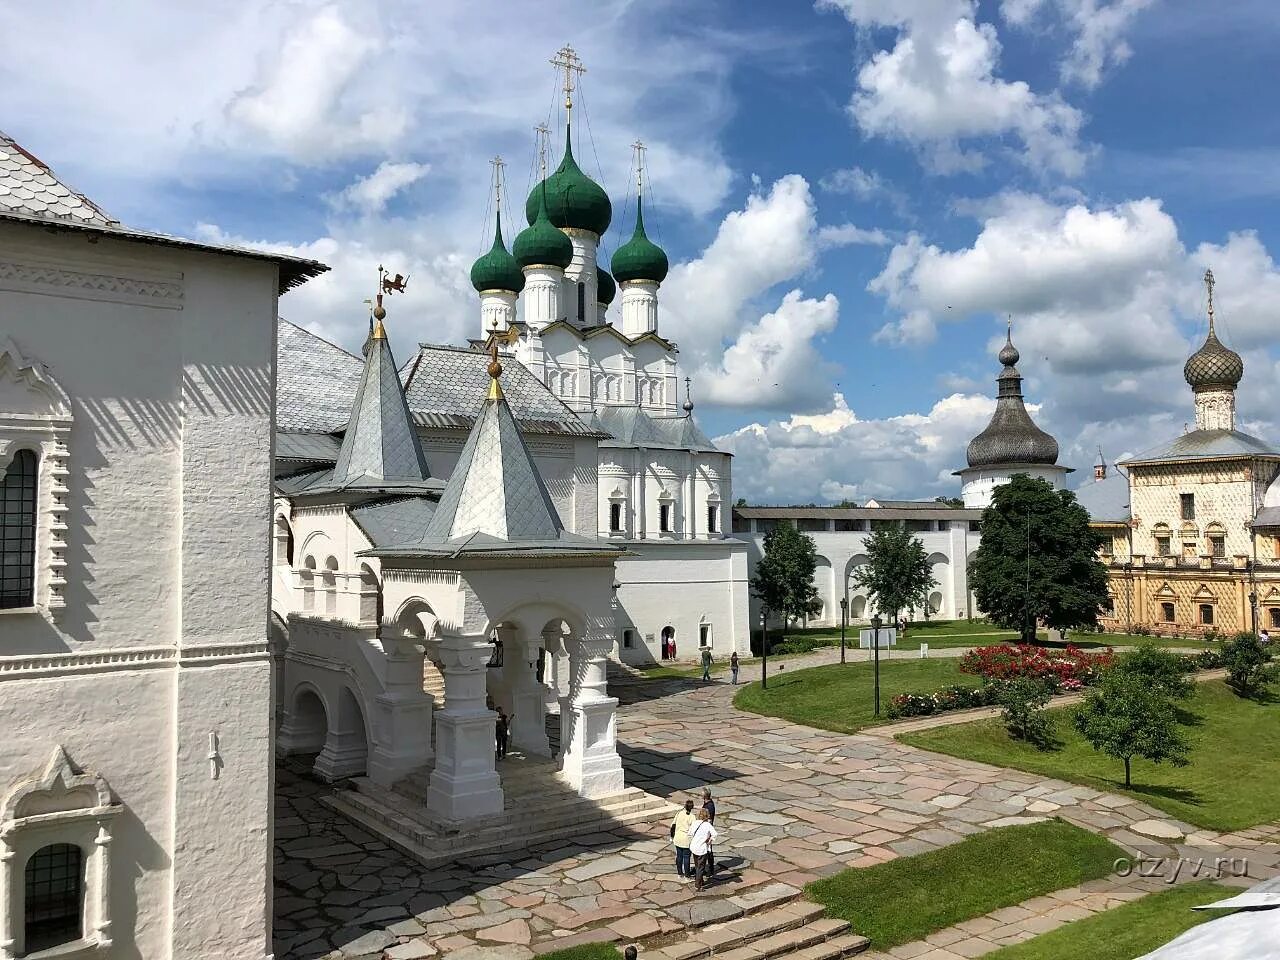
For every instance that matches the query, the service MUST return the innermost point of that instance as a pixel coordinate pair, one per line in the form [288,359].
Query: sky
[856,196]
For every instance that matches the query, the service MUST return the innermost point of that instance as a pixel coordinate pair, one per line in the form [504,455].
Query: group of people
[693,834]
[734,665]
[668,647]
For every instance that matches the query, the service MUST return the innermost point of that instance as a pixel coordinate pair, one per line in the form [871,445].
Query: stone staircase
[433,683]
[539,807]
[793,931]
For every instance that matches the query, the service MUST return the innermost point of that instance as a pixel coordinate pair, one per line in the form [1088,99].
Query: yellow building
[1192,526]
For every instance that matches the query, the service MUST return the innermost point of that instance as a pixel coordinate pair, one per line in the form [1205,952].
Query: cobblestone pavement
[794,804]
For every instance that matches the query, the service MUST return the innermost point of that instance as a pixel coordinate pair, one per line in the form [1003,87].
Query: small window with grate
[54,903]
[1218,546]
[1167,612]
[1206,614]
[18,531]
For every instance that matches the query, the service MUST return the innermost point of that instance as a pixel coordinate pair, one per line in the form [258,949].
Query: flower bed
[1069,669]
[956,697]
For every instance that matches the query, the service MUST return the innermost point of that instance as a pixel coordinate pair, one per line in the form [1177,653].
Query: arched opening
[329,580]
[283,543]
[370,596]
[54,897]
[355,742]
[615,517]
[308,724]
[858,607]
[668,642]
[935,602]
[18,488]
[308,578]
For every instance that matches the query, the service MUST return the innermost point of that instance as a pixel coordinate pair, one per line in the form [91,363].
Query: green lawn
[1126,932]
[841,697]
[1229,784]
[908,898]
[592,951]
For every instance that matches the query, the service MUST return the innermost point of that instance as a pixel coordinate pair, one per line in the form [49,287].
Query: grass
[590,951]
[1228,785]
[1126,932]
[907,899]
[841,697]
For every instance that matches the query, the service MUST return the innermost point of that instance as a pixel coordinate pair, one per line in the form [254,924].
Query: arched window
[18,532]
[54,897]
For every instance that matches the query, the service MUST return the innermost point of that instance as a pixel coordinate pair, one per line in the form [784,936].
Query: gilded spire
[510,335]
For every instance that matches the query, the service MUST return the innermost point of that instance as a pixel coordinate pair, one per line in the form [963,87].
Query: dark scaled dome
[639,258]
[606,289]
[541,243]
[1214,366]
[573,199]
[1012,436]
[497,269]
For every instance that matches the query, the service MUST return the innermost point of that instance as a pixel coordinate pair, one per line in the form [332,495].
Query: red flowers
[1069,668]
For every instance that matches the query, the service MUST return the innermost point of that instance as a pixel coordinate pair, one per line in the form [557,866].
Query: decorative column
[465,783]
[404,713]
[8,900]
[542,288]
[639,307]
[582,269]
[528,700]
[103,922]
[497,311]
[588,722]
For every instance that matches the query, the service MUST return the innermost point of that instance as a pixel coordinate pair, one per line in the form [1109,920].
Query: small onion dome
[639,258]
[1213,366]
[541,243]
[1011,437]
[573,199]
[497,269]
[606,289]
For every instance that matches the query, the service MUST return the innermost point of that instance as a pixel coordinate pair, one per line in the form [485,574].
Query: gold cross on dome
[508,336]
[567,59]
[1208,284]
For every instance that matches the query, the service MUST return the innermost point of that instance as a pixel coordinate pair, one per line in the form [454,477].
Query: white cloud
[1098,27]
[847,233]
[370,194]
[835,455]
[937,89]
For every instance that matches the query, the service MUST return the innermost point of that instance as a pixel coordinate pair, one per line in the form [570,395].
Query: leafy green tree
[1129,717]
[1160,668]
[1023,701]
[1038,560]
[1248,663]
[784,576]
[897,575]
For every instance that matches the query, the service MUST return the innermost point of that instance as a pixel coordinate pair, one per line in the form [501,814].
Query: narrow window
[1218,546]
[713,519]
[1162,546]
[664,517]
[1188,506]
[704,635]
[1166,612]
[582,301]
[615,517]
[54,897]
[1275,616]
[18,532]
[628,639]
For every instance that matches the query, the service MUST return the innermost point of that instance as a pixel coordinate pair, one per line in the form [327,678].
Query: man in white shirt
[702,836]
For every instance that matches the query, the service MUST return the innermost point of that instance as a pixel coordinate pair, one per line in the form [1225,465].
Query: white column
[589,752]
[639,307]
[102,923]
[529,704]
[1216,409]
[541,297]
[582,269]
[464,783]
[404,713]
[497,307]
[9,901]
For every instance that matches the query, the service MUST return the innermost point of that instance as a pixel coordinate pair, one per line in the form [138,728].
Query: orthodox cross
[497,163]
[543,134]
[508,336]
[1208,284]
[567,59]
[638,148]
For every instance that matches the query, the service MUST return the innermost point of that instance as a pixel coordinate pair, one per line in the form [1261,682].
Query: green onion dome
[606,289]
[639,258]
[541,243]
[497,269]
[573,198]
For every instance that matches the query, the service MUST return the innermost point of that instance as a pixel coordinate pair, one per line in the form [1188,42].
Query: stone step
[727,936]
[793,931]
[846,945]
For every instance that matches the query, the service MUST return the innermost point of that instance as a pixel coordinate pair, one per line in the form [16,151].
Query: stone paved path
[795,804]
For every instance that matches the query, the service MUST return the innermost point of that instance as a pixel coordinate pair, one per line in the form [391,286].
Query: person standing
[501,727]
[709,807]
[680,826]
[706,664]
[733,667]
[701,837]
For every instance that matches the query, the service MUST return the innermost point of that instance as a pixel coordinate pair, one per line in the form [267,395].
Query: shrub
[1248,663]
[1004,661]
[1128,717]
[1160,668]
[1024,716]
[1207,660]
[955,697]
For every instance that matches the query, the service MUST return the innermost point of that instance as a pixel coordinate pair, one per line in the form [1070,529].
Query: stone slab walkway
[794,803]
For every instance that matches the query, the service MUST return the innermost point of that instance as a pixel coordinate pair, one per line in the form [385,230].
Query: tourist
[1263,636]
[701,837]
[502,725]
[733,667]
[709,808]
[706,664]
[684,819]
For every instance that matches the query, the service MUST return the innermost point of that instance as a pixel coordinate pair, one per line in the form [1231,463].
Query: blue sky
[853,194]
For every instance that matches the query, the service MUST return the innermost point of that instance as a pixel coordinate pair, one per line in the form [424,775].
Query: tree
[1023,701]
[1038,560]
[1129,717]
[955,502]
[740,502]
[783,581]
[897,575]
[1248,663]
[1159,668]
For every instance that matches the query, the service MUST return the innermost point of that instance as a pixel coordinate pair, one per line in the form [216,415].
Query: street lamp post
[844,619]
[764,647]
[876,623]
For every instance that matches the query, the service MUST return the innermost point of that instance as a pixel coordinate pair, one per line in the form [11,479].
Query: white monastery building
[136,413]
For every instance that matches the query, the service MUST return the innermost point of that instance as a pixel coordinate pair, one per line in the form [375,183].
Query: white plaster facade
[135,692]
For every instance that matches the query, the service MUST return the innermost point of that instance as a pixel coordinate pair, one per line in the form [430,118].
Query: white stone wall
[167,357]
